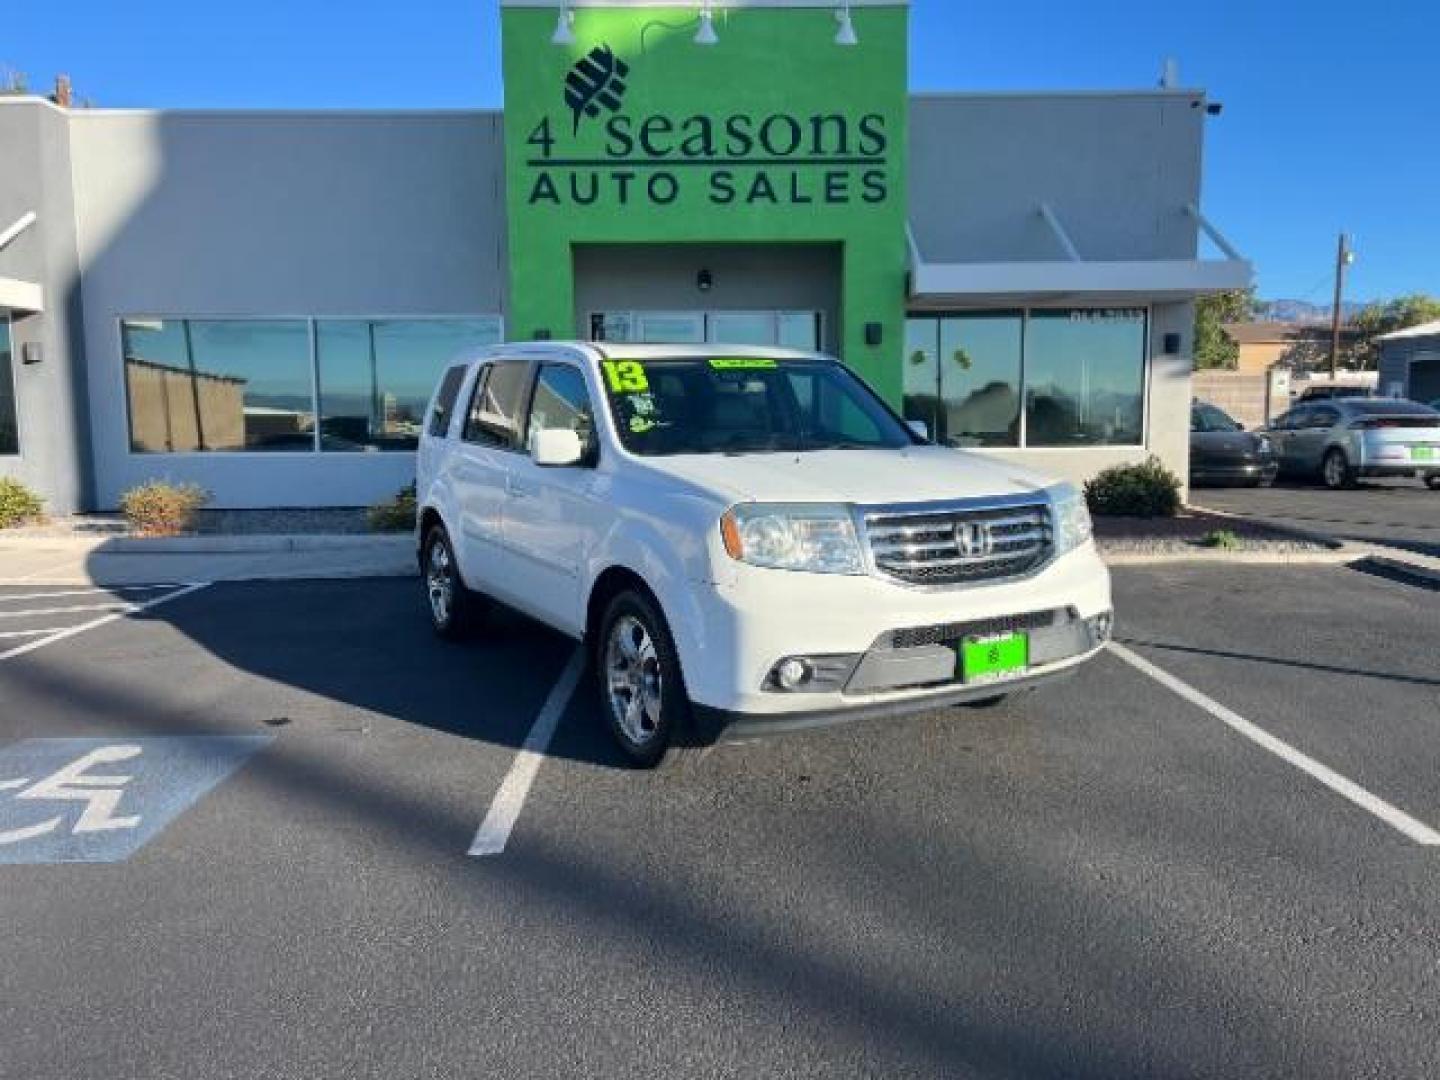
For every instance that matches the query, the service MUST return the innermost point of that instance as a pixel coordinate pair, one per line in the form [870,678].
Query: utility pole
[1343,258]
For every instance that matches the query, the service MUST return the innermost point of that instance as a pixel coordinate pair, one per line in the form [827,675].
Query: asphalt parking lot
[1401,513]
[275,789]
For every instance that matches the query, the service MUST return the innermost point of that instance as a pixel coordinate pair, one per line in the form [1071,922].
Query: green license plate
[999,656]
[1422,453]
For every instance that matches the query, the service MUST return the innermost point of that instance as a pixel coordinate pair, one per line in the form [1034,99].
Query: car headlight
[815,537]
[1073,527]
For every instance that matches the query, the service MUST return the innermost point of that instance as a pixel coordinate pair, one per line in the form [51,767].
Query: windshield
[747,405]
[1209,418]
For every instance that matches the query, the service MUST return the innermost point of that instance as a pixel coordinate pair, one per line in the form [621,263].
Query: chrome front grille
[953,543]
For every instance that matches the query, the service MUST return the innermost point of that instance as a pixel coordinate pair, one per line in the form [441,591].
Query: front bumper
[895,643]
[1232,473]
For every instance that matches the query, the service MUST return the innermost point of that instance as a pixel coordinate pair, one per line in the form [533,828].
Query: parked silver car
[1343,439]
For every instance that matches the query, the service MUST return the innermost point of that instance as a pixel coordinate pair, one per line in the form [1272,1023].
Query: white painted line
[122,606]
[1348,789]
[505,810]
[71,631]
[7,597]
[30,633]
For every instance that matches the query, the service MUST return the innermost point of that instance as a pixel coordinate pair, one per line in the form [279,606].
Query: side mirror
[1239,426]
[556,448]
[919,427]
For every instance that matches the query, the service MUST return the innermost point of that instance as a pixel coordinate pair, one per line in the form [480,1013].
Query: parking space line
[71,631]
[122,606]
[8,598]
[30,633]
[494,831]
[1348,789]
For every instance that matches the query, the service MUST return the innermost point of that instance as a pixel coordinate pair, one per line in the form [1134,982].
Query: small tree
[1213,347]
[1385,318]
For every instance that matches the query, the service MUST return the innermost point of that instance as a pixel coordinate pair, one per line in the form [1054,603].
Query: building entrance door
[790,329]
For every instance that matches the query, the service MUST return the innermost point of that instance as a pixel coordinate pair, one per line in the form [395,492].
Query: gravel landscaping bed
[1185,534]
[347,521]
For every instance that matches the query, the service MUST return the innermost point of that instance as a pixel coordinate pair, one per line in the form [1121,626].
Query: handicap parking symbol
[101,800]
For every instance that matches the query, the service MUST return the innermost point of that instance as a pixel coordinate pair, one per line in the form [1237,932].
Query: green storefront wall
[636,134]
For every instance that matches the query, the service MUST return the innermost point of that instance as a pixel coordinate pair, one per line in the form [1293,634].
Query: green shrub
[1146,490]
[160,508]
[18,504]
[397,515]
[1225,539]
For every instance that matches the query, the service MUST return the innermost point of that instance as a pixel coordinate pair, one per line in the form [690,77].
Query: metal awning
[21,297]
[1075,279]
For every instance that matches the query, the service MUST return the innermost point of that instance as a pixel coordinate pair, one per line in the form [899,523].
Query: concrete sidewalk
[128,561]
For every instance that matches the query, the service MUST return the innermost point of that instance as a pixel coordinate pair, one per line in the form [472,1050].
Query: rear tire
[455,611]
[640,685]
[1433,481]
[1336,471]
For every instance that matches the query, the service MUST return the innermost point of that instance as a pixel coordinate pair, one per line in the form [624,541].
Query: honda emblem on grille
[974,539]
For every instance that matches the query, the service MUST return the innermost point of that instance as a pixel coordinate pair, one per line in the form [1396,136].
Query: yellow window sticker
[626,377]
[749,363]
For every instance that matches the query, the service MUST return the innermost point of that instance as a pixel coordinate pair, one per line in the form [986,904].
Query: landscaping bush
[1225,539]
[160,508]
[397,515]
[1147,490]
[18,504]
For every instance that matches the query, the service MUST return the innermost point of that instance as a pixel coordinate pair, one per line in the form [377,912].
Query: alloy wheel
[633,680]
[440,582]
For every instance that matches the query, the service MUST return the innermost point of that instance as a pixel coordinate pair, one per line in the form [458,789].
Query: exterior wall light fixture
[705,281]
[564,27]
[845,35]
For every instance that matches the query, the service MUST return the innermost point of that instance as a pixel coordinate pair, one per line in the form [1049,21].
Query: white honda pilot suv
[748,540]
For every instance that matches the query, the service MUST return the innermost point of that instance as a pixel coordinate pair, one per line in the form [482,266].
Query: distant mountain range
[1301,311]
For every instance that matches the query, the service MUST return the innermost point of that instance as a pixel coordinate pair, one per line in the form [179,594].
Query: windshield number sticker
[754,363]
[626,377]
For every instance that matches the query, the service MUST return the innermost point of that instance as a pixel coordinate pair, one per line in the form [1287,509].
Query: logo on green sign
[596,81]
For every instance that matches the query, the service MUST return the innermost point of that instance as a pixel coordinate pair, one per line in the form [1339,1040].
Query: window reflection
[1080,372]
[9,426]
[376,376]
[218,385]
[1085,377]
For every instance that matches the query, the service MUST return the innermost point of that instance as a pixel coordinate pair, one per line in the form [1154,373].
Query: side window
[1291,420]
[445,401]
[562,401]
[494,417]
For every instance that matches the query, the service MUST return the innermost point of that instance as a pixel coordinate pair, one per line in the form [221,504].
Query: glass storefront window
[9,423]
[218,385]
[921,377]
[1085,377]
[1080,372]
[980,379]
[376,376]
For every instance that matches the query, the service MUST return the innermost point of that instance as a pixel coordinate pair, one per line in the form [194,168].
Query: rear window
[494,418]
[445,401]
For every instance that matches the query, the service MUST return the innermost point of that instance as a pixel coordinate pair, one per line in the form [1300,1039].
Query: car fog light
[1101,626]
[792,674]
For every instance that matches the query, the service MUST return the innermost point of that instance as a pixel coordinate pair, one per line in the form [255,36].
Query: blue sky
[1329,123]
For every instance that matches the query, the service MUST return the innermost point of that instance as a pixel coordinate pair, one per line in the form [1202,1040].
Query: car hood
[867,477]
[1225,443]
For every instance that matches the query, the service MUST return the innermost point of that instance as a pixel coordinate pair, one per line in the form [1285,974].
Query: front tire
[641,688]
[1433,481]
[454,609]
[1336,471]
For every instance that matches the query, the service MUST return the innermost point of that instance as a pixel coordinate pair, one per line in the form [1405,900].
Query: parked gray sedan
[1344,439]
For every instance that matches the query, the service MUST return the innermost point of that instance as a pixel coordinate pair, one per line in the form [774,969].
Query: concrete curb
[1214,557]
[210,545]
[1292,530]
